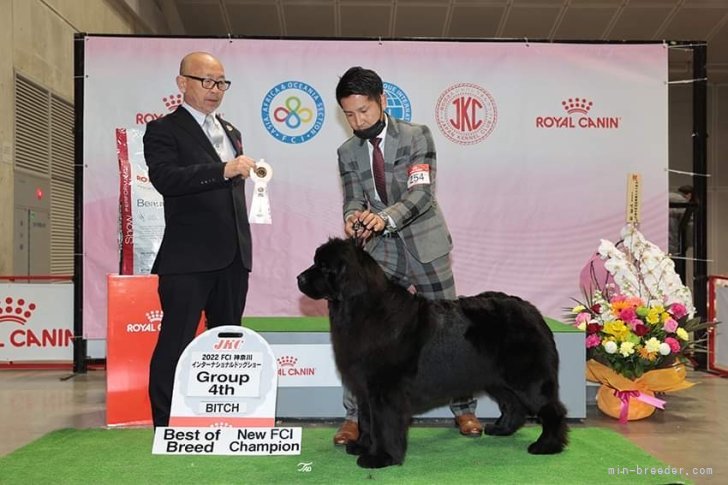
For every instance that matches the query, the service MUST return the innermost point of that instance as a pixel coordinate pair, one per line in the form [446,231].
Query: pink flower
[670,325]
[632,324]
[674,344]
[582,317]
[627,314]
[678,310]
[593,340]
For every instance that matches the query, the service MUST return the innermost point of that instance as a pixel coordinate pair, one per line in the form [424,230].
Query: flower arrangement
[639,316]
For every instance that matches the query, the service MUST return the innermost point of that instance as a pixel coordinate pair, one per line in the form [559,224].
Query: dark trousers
[221,294]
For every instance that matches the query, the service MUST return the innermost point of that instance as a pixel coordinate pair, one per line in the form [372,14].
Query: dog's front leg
[389,418]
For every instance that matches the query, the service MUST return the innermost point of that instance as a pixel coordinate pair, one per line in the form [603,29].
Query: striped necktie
[214,133]
[378,169]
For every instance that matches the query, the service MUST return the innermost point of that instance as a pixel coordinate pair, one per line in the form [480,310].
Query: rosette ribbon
[260,203]
[627,399]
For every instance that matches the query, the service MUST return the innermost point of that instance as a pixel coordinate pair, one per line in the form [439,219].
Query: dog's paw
[356,448]
[375,461]
[495,430]
[545,447]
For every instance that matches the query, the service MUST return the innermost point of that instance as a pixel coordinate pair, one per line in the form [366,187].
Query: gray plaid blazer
[415,211]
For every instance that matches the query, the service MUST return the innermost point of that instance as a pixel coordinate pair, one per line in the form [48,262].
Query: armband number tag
[418,175]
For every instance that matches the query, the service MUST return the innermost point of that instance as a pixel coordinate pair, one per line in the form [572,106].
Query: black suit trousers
[221,294]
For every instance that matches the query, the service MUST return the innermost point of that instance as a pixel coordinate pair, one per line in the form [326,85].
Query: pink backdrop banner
[534,141]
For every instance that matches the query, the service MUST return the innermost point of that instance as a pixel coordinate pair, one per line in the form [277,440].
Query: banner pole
[79,343]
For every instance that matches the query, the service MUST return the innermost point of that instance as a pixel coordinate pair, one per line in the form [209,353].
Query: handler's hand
[362,233]
[239,166]
[372,221]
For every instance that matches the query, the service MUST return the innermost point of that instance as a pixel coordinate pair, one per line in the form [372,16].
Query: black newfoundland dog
[402,355]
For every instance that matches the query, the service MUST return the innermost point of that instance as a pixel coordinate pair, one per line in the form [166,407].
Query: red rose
[593,328]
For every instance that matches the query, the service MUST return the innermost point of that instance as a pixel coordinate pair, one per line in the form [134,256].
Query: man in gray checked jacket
[388,171]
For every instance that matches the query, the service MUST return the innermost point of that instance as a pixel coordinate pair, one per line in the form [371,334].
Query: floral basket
[633,399]
[637,317]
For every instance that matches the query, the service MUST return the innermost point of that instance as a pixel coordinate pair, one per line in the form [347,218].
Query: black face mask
[372,131]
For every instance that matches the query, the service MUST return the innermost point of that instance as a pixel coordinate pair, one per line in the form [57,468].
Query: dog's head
[341,270]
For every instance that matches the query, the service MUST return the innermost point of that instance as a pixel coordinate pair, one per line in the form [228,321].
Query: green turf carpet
[436,455]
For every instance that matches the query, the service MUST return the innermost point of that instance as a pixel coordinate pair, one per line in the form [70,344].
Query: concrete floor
[692,433]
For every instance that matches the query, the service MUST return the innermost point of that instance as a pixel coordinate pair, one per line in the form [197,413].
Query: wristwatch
[383,215]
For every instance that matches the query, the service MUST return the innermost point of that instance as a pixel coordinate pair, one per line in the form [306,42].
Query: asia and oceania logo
[466,113]
[293,112]
[398,104]
[577,113]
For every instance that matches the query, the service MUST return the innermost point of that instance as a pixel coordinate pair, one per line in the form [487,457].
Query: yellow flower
[616,328]
[682,334]
[653,315]
[578,309]
[664,316]
[652,345]
[626,349]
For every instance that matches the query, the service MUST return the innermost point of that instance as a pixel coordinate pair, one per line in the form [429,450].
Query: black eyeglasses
[209,83]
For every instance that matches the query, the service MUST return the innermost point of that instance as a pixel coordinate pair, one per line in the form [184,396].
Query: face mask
[372,131]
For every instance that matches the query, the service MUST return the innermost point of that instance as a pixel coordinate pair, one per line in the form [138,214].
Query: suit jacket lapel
[361,155]
[391,146]
[187,122]
[233,135]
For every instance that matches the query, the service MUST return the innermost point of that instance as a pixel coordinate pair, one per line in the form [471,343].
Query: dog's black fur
[401,354]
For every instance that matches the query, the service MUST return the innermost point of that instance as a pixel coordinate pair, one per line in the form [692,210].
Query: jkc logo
[293,112]
[19,311]
[170,103]
[398,104]
[287,367]
[466,113]
[228,344]
[577,116]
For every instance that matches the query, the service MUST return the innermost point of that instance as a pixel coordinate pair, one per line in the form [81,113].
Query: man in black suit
[196,162]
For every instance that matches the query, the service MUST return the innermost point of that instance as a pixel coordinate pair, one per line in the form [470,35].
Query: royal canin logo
[287,367]
[578,116]
[153,323]
[154,316]
[16,311]
[19,311]
[170,102]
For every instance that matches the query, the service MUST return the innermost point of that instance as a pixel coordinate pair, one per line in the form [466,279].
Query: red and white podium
[134,317]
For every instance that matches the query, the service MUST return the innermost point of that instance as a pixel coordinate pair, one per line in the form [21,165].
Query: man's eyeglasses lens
[208,83]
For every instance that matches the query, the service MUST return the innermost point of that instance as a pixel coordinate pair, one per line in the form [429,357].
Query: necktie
[378,169]
[214,133]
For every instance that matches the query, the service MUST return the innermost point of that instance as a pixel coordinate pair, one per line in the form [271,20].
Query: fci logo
[466,113]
